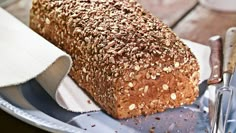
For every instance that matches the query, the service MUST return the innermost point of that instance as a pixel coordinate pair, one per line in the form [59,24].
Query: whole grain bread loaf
[129,61]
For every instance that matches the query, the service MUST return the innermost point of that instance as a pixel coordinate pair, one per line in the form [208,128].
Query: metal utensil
[221,112]
[215,78]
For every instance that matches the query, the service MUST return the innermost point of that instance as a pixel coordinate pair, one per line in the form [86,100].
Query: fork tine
[216,118]
[221,115]
[228,109]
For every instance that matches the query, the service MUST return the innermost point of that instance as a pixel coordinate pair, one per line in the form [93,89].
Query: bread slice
[129,61]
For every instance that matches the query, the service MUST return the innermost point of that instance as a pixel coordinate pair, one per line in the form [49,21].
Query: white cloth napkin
[25,55]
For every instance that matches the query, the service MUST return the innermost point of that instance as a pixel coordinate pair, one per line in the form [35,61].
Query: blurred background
[190,19]
[6,2]
[19,8]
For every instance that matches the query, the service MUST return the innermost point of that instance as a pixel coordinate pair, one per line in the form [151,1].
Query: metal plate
[30,103]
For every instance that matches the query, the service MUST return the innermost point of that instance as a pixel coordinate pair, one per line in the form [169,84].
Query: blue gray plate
[30,103]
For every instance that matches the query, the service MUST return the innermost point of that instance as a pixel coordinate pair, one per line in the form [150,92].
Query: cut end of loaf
[143,94]
[129,61]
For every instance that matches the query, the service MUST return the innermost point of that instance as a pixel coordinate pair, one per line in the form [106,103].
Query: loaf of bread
[127,60]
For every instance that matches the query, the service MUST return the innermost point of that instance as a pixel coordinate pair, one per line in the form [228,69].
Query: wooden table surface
[189,20]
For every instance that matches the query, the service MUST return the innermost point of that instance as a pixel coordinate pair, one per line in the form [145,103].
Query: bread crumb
[152,130]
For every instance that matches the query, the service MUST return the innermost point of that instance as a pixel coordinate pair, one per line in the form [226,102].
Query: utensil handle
[216,55]
[230,51]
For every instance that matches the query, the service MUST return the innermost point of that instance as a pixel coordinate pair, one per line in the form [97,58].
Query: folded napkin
[25,55]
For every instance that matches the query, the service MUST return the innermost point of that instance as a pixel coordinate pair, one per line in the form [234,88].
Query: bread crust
[129,61]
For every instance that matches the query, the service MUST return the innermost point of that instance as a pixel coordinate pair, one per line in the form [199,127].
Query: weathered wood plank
[20,9]
[4,3]
[169,11]
[203,23]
